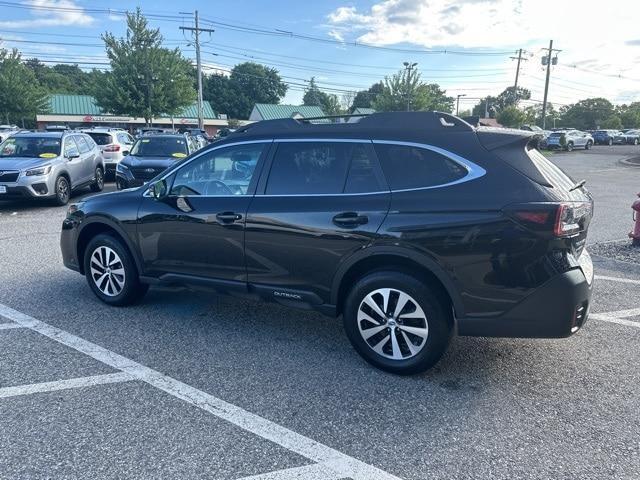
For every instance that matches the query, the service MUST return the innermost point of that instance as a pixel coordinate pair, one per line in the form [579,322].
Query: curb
[631,162]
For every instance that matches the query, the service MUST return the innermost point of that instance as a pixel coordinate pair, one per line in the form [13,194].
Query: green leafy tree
[329,103]
[406,91]
[21,97]
[216,89]
[146,80]
[587,114]
[365,98]
[629,115]
[612,122]
[511,116]
[252,83]
[485,105]
[511,96]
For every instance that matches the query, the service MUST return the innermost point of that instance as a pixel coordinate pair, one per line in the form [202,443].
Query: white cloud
[603,39]
[49,13]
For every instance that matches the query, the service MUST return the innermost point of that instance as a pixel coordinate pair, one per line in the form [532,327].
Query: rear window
[160,147]
[553,174]
[100,138]
[322,168]
[408,167]
[556,134]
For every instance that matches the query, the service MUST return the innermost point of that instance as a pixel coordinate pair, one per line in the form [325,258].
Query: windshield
[100,138]
[160,147]
[30,147]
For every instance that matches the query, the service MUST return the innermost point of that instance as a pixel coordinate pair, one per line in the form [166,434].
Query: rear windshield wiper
[578,185]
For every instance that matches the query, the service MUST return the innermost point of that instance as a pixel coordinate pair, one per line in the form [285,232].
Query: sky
[466,46]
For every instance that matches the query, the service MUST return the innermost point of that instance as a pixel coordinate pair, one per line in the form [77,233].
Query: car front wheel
[111,271]
[588,146]
[397,323]
[569,147]
[63,191]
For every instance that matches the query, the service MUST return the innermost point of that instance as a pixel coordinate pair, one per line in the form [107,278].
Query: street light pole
[408,67]
[458,102]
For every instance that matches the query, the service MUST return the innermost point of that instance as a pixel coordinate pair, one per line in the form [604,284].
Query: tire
[111,271]
[62,191]
[635,141]
[610,142]
[569,147]
[588,146]
[98,185]
[427,347]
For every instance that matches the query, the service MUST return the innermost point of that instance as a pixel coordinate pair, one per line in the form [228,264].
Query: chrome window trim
[474,171]
[234,144]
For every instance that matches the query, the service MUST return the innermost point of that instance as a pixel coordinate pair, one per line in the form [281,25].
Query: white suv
[114,143]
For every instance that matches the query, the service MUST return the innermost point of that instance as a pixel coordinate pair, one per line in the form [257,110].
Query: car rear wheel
[62,191]
[588,146]
[98,184]
[569,147]
[111,271]
[635,141]
[610,142]
[397,323]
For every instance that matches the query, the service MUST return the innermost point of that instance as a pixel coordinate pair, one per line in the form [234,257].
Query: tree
[613,122]
[365,98]
[510,97]
[487,106]
[146,80]
[216,89]
[329,103]
[21,97]
[629,115]
[405,91]
[587,114]
[511,116]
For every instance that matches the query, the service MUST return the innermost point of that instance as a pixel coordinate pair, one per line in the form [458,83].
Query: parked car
[7,130]
[151,155]
[114,143]
[399,222]
[199,133]
[604,137]
[49,165]
[568,140]
[630,137]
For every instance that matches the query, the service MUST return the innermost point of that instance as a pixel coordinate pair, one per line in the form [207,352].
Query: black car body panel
[303,249]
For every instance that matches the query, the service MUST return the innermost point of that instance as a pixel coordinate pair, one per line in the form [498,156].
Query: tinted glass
[82,144]
[152,146]
[70,148]
[125,138]
[227,171]
[321,168]
[414,167]
[100,138]
[44,147]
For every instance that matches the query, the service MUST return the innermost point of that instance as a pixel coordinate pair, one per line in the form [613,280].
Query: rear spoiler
[511,146]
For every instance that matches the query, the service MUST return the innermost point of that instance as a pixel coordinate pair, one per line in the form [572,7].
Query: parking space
[194,385]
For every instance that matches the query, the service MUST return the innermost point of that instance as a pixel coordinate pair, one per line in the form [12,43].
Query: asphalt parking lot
[193,385]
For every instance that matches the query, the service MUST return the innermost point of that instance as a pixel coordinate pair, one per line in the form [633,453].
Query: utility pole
[196,31]
[458,102]
[546,60]
[408,67]
[519,58]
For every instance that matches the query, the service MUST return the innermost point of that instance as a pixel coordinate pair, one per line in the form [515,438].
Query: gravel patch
[621,250]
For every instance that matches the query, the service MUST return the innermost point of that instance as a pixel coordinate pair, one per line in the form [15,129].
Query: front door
[74,160]
[322,202]
[198,229]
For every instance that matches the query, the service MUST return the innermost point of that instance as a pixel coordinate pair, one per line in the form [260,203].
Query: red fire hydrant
[635,234]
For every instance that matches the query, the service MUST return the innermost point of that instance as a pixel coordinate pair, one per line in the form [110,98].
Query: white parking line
[317,471]
[79,382]
[331,459]
[621,321]
[9,326]
[617,279]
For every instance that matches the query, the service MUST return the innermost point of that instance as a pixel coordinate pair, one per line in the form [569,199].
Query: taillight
[112,148]
[564,219]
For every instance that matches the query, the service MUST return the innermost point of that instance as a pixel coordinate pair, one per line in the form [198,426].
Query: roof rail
[424,121]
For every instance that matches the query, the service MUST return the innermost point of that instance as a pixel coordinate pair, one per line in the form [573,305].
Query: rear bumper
[557,309]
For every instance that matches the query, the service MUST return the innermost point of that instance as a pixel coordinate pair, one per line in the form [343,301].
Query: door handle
[228,217]
[350,219]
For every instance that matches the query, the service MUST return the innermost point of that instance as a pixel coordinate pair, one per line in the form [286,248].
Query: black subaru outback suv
[412,226]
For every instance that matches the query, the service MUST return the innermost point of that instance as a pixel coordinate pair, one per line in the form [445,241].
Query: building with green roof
[269,111]
[82,111]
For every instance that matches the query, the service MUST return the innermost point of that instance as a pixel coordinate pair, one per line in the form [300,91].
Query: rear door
[321,201]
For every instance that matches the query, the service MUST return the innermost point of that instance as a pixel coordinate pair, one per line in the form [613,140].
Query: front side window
[408,167]
[307,168]
[70,148]
[226,171]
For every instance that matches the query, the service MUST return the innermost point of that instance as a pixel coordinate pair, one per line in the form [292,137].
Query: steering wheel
[220,186]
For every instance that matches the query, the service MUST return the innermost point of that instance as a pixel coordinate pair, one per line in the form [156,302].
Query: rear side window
[101,138]
[407,167]
[82,144]
[322,168]
[125,139]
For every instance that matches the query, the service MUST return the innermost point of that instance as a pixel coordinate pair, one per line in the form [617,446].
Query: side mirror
[158,190]
[125,153]
[71,156]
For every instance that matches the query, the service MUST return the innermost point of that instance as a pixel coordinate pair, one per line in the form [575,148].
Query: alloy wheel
[107,271]
[63,190]
[392,324]
[99,179]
